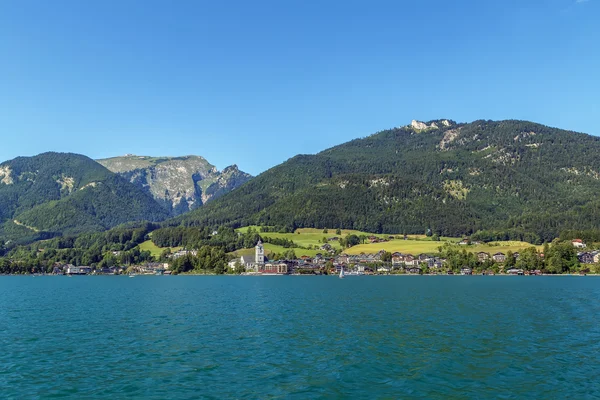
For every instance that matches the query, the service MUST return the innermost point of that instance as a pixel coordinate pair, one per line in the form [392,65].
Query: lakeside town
[329,263]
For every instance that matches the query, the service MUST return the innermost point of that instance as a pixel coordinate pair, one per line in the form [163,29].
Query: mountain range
[490,179]
[179,184]
[66,194]
[504,179]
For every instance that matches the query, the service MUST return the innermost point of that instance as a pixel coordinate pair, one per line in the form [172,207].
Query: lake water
[300,337]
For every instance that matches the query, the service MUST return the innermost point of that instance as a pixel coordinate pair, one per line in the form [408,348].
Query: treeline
[195,238]
[588,236]
[283,242]
[208,259]
[504,235]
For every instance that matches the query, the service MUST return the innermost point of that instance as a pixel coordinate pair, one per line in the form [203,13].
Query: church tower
[260,253]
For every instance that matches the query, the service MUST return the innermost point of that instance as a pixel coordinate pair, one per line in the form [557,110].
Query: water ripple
[299,337]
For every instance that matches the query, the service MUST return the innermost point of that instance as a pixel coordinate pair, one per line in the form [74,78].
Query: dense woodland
[511,179]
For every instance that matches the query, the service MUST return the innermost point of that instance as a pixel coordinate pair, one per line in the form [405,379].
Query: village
[375,264]
[330,263]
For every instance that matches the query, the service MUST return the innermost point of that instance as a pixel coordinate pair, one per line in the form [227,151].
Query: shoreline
[311,275]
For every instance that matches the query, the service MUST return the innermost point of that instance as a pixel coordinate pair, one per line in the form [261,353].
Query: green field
[416,244]
[416,247]
[154,249]
[309,236]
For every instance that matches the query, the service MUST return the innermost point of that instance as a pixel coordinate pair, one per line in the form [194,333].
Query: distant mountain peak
[181,183]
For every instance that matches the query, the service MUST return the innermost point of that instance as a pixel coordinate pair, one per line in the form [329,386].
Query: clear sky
[257,82]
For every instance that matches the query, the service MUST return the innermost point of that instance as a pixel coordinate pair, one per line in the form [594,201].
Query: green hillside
[61,193]
[506,180]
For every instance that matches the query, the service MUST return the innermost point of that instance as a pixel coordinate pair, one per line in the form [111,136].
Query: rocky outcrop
[6,175]
[419,126]
[180,184]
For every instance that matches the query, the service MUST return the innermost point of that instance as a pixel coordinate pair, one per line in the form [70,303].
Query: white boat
[342,273]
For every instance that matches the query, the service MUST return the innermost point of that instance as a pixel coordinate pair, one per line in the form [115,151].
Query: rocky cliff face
[180,184]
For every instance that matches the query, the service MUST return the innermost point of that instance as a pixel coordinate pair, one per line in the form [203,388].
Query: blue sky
[257,82]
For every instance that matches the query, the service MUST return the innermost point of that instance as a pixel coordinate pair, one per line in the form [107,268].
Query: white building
[73,270]
[250,263]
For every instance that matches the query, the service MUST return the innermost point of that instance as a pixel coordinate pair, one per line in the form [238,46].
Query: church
[251,263]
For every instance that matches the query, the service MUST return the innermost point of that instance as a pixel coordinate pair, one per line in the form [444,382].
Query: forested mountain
[501,179]
[61,193]
[179,184]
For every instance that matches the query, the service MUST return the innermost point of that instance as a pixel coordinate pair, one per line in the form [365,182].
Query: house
[413,270]
[73,270]
[483,256]
[275,268]
[466,271]
[514,271]
[343,258]
[409,260]
[596,255]
[464,242]
[585,257]
[183,253]
[578,243]
[397,258]
[499,257]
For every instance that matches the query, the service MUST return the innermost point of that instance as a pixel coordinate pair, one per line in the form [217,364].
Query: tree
[529,259]
[561,257]
[352,240]
[338,231]
[386,256]
[325,230]
[510,260]
[329,266]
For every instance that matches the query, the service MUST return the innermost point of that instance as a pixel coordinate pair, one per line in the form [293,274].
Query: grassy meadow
[156,251]
[416,244]
[416,247]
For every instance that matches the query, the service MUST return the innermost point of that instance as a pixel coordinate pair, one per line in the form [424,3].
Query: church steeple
[259,253]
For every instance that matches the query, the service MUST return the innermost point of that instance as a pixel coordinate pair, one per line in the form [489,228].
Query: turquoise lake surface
[221,337]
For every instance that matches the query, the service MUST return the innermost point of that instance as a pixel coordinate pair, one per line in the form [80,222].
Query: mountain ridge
[179,184]
[454,178]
